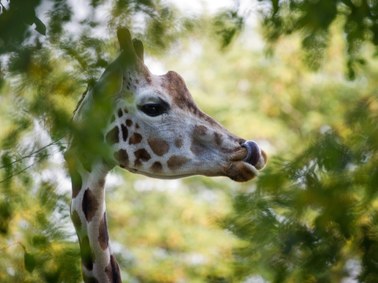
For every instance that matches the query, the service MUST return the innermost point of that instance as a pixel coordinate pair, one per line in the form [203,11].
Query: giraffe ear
[139,49]
[124,38]
[125,43]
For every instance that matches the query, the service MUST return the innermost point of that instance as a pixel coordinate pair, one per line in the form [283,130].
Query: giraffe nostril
[253,152]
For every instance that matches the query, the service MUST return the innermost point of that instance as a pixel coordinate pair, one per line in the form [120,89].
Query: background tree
[311,215]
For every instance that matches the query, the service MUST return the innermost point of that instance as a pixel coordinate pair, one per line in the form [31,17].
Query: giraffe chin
[241,171]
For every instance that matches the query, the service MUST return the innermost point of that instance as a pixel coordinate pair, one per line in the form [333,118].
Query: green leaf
[40,26]
[29,261]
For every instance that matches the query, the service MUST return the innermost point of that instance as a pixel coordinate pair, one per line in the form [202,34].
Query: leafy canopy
[310,217]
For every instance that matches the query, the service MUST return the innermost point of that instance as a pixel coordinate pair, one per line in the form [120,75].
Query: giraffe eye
[154,109]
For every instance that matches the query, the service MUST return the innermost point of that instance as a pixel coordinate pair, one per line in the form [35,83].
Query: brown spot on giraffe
[141,155]
[217,138]
[176,161]
[135,138]
[122,157]
[125,132]
[196,147]
[129,122]
[120,113]
[89,205]
[112,271]
[199,130]
[112,136]
[178,142]
[200,139]
[157,167]
[103,237]
[158,146]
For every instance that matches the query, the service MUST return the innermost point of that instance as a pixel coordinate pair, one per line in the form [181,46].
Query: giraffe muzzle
[255,156]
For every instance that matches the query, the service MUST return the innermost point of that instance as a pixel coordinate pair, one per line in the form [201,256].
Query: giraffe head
[155,128]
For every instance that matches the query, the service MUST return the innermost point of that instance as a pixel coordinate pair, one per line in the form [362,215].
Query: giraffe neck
[88,213]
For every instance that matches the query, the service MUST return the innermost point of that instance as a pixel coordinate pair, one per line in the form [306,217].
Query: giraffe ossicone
[147,124]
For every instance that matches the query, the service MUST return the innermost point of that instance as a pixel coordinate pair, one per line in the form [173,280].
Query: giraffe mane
[132,47]
[83,95]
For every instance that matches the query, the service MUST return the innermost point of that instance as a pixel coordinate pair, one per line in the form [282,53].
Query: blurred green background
[299,77]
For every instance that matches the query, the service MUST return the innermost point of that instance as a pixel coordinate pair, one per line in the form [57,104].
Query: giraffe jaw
[243,165]
[236,171]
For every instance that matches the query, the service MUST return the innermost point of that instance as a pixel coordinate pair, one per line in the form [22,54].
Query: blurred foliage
[172,230]
[227,25]
[313,20]
[311,216]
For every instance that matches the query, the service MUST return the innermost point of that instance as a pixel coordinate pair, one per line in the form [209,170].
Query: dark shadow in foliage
[312,217]
[15,21]
[227,26]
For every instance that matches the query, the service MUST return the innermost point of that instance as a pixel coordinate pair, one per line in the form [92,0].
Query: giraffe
[147,124]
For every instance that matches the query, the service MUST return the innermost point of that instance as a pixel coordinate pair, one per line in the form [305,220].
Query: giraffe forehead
[170,87]
[173,84]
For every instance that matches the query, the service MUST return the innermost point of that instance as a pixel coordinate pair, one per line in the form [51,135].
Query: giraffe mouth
[254,156]
[246,162]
